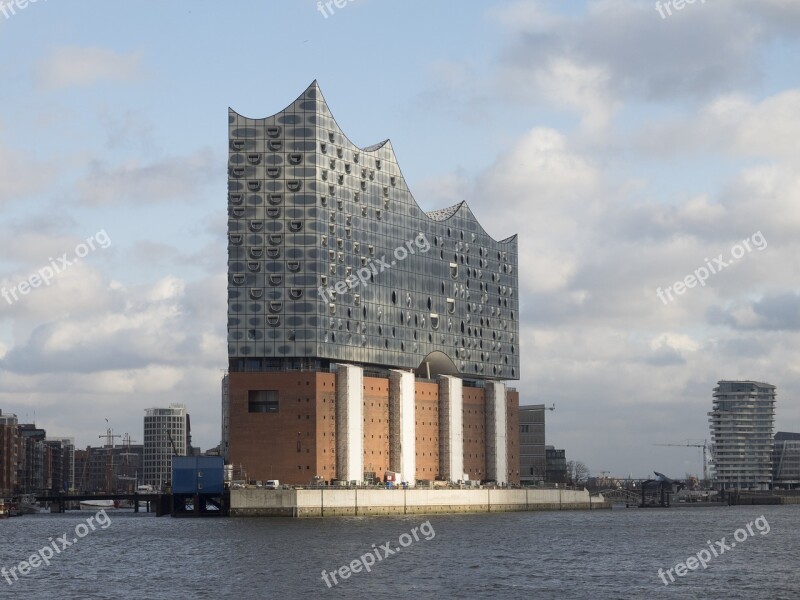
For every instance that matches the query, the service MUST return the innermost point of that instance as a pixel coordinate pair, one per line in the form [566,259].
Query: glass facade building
[166,434]
[331,259]
[340,290]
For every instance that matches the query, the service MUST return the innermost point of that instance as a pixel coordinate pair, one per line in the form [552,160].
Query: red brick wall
[266,444]
[474,422]
[8,455]
[426,418]
[326,426]
[376,425]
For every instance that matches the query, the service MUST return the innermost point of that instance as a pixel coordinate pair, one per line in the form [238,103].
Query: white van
[272,484]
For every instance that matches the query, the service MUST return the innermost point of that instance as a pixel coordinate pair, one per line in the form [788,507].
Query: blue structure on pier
[198,475]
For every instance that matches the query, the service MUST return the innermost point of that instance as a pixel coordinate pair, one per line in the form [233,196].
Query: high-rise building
[364,335]
[532,459]
[67,468]
[9,447]
[786,460]
[166,434]
[53,465]
[742,422]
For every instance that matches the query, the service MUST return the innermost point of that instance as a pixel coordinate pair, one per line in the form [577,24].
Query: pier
[332,502]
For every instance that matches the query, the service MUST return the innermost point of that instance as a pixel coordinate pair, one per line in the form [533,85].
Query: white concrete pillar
[496,431]
[402,430]
[349,422]
[451,428]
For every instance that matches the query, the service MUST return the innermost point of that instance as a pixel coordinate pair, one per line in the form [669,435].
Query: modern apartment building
[742,421]
[532,459]
[786,460]
[364,335]
[30,462]
[166,434]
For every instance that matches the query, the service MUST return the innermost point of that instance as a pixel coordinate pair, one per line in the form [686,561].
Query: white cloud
[566,82]
[674,341]
[770,128]
[22,174]
[74,66]
[120,328]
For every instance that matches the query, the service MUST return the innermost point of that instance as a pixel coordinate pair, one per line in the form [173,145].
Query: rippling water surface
[598,554]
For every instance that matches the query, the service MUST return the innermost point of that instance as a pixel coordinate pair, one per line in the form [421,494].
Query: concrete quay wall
[764,500]
[362,502]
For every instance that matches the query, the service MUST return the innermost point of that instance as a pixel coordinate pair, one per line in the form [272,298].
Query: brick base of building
[295,441]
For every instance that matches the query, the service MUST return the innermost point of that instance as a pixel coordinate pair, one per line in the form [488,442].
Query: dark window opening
[262,401]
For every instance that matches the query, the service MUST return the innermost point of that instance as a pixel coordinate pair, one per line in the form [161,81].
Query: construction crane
[126,445]
[172,442]
[704,447]
[109,436]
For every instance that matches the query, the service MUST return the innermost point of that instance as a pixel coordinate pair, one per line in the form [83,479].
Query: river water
[598,554]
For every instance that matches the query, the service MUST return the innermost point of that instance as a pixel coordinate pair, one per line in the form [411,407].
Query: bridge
[177,505]
[63,499]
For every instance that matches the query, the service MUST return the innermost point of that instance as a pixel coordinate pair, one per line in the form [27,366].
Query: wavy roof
[442,214]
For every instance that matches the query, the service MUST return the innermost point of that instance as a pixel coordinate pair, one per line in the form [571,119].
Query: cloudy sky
[628,149]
